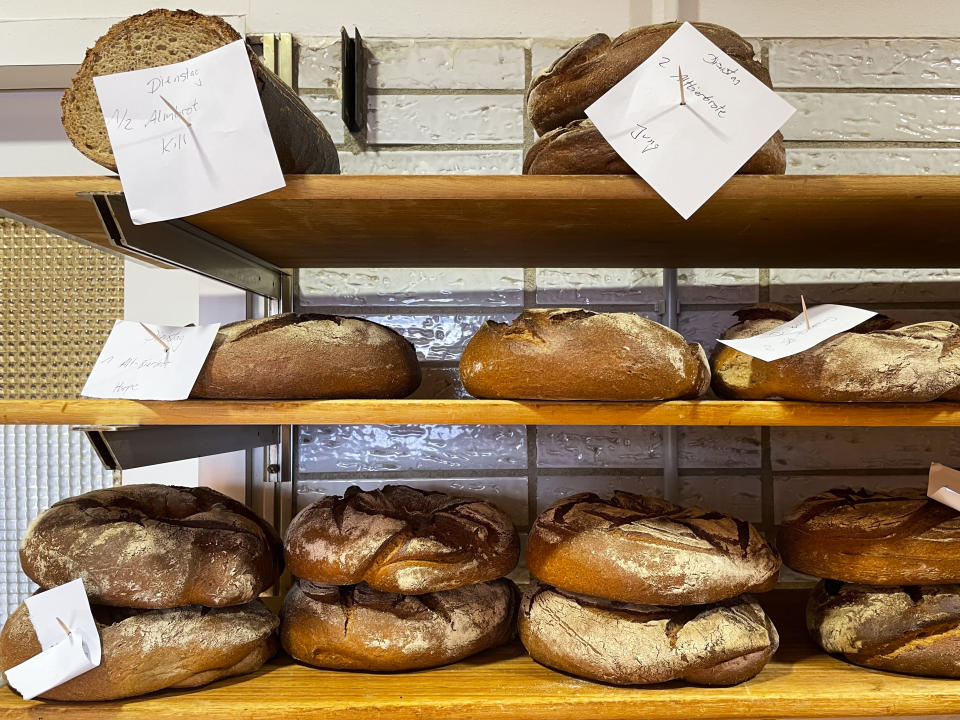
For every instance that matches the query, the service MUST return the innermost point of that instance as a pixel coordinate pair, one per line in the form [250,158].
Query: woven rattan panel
[58,301]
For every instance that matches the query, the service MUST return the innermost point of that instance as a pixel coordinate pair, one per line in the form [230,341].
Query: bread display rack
[508,221]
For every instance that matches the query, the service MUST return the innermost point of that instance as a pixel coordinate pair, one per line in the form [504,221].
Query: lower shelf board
[505,684]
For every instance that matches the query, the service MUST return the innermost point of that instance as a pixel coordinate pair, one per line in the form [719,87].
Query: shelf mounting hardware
[353,74]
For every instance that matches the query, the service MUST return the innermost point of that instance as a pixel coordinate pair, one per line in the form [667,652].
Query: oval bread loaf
[571,354]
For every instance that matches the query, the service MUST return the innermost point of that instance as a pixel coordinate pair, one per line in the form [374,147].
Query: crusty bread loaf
[148,650]
[293,356]
[571,354]
[628,644]
[878,361]
[163,37]
[586,71]
[645,550]
[154,546]
[912,629]
[401,540]
[875,537]
[358,628]
[578,148]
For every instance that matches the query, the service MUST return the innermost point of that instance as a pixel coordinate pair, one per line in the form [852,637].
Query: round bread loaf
[154,546]
[912,629]
[401,540]
[148,650]
[645,550]
[875,537]
[880,360]
[627,644]
[564,90]
[578,148]
[357,628]
[294,356]
[570,354]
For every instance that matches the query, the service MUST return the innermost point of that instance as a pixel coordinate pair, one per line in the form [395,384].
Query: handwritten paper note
[943,485]
[793,337]
[170,169]
[135,366]
[686,152]
[69,640]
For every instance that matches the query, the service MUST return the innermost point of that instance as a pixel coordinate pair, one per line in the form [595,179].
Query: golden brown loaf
[563,91]
[645,550]
[571,354]
[875,537]
[358,628]
[163,37]
[627,644]
[148,650]
[401,540]
[154,546]
[293,356]
[912,629]
[878,361]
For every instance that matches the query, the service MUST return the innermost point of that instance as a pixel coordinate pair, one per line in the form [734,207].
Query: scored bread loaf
[163,37]
[562,92]
[572,354]
[401,540]
[358,628]
[148,650]
[875,537]
[629,644]
[645,550]
[911,629]
[880,360]
[294,356]
[578,148]
[154,546]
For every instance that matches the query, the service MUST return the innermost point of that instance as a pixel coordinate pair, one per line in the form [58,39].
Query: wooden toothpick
[156,337]
[683,99]
[803,304]
[64,626]
[175,111]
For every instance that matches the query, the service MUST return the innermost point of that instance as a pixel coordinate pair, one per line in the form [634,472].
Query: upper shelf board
[561,221]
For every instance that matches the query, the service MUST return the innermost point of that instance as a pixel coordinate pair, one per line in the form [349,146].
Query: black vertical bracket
[353,78]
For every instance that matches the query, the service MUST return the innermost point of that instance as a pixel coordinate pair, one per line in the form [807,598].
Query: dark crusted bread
[910,629]
[304,356]
[563,91]
[401,540]
[578,148]
[154,546]
[357,628]
[148,650]
[645,550]
[572,354]
[878,361]
[875,537]
[628,644]
[163,37]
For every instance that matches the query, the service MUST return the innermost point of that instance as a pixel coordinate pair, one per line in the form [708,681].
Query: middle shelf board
[477,412]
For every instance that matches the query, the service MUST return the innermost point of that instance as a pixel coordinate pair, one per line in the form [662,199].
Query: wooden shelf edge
[476,412]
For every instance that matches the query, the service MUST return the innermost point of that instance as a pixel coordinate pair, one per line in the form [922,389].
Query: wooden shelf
[577,221]
[476,412]
[506,684]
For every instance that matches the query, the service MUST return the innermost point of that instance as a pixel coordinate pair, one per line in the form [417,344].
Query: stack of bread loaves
[892,600]
[173,575]
[570,144]
[398,579]
[634,590]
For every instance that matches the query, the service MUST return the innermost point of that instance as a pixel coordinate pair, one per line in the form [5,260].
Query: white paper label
[170,170]
[793,337]
[686,152]
[135,366]
[944,485]
[68,637]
